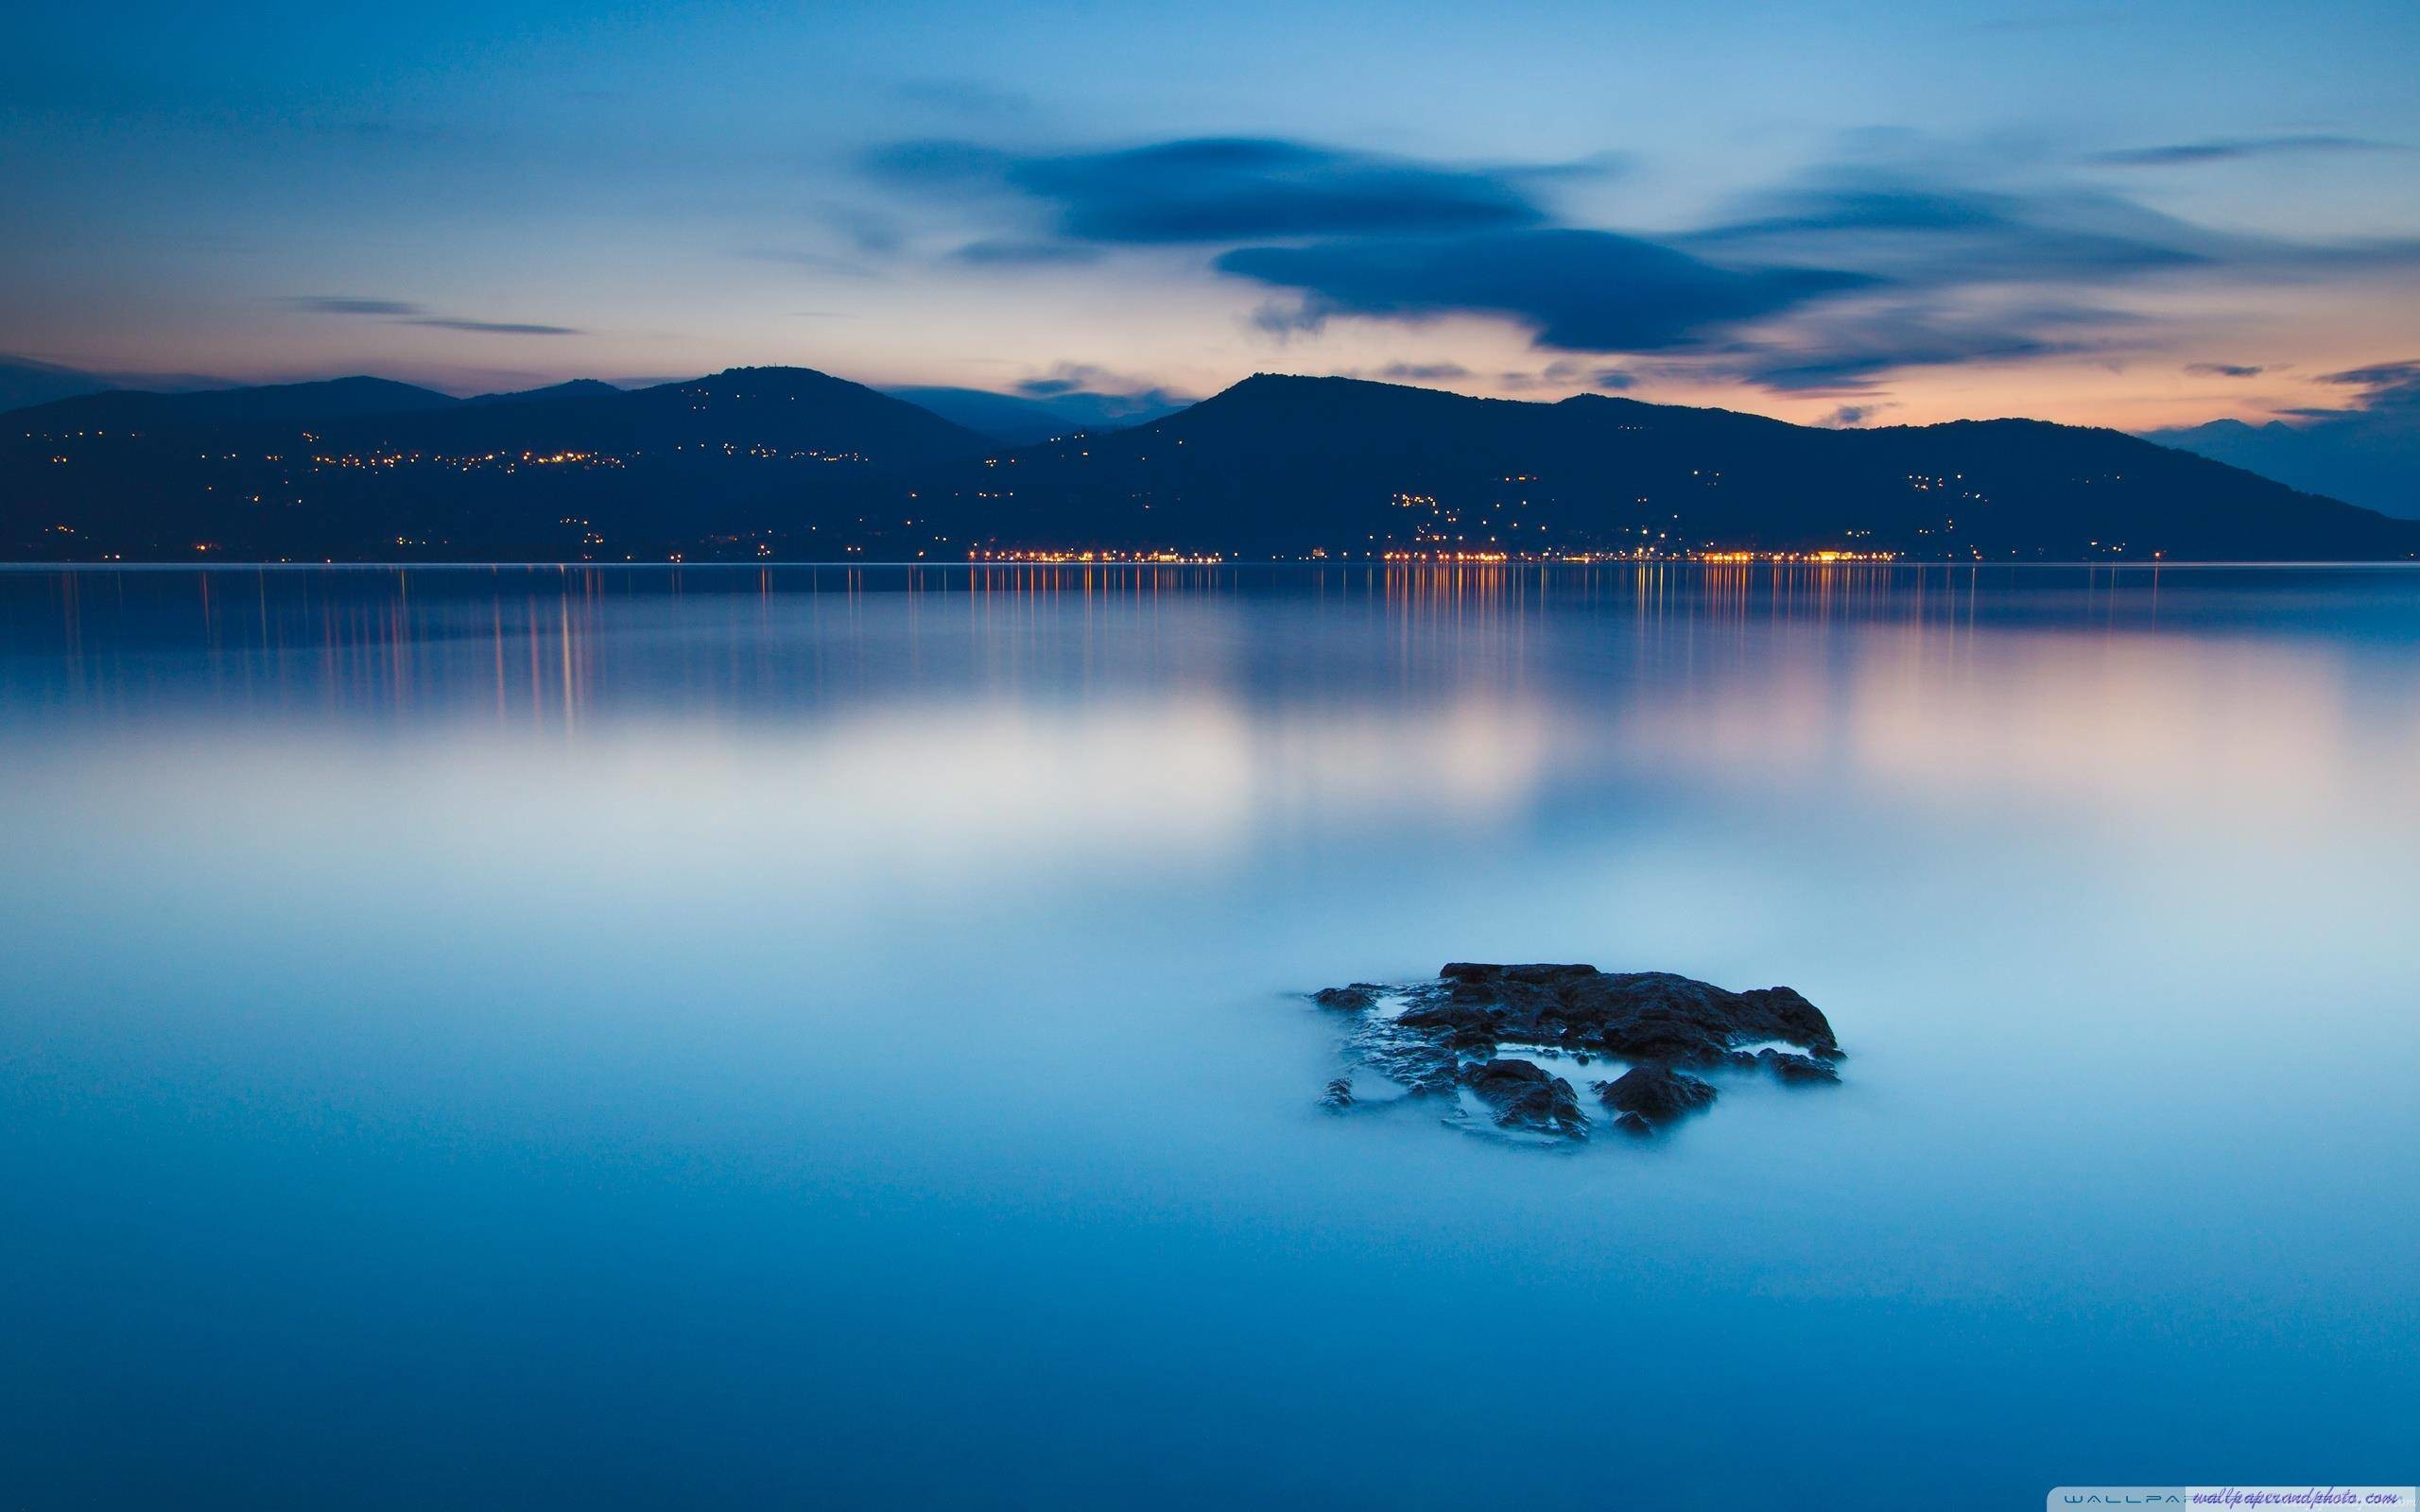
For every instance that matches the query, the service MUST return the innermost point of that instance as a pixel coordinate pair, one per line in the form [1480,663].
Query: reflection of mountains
[1941,712]
[1072,708]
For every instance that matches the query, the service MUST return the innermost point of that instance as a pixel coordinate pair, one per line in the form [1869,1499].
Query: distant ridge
[577,388]
[1290,466]
[2367,457]
[330,398]
[793,464]
[750,462]
[1017,420]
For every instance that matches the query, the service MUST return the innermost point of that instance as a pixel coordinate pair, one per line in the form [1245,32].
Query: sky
[2142,215]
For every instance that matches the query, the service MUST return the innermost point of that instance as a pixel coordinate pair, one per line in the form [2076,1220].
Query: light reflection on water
[504,1035]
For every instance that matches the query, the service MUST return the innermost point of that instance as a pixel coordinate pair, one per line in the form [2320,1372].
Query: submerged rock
[1523,1097]
[1476,1024]
[1798,1068]
[1655,1094]
[1635,1015]
[1339,1094]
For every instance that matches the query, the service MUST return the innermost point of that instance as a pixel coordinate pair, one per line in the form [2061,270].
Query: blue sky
[2139,216]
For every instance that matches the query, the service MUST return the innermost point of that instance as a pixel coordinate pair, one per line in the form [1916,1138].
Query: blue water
[516,1037]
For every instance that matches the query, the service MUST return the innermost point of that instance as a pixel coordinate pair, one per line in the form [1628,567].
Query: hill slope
[788,463]
[1280,466]
[748,462]
[139,409]
[2369,458]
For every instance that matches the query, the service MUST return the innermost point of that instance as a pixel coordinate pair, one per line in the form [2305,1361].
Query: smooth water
[646,1037]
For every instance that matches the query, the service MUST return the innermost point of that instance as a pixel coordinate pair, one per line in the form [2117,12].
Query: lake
[831,1037]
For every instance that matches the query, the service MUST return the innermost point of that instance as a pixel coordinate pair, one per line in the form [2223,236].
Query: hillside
[788,463]
[1280,466]
[752,462]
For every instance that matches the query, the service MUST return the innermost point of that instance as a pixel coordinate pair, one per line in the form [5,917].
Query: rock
[1638,1016]
[1633,1125]
[1525,1098]
[1804,1069]
[1655,1094]
[1339,1095]
[1452,1033]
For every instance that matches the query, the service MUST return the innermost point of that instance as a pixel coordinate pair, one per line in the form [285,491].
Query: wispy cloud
[1578,290]
[2224,370]
[2234,149]
[509,328]
[1227,189]
[1903,252]
[1848,416]
[347,304]
[405,312]
[1013,253]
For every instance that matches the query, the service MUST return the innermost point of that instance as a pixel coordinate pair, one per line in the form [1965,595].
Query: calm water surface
[502,1037]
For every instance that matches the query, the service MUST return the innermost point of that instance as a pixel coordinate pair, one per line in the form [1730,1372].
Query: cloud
[1848,414]
[2394,381]
[1914,232]
[1226,189]
[2367,452]
[1576,290]
[2223,369]
[1847,350]
[508,328]
[1936,224]
[1011,253]
[346,304]
[1423,372]
[2233,150]
[1105,393]
[1565,373]
[1905,252]
[404,312]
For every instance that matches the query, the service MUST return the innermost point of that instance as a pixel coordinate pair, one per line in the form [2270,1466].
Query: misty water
[706,1036]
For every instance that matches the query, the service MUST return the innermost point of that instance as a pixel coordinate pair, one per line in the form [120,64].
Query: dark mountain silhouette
[2369,457]
[24,381]
[135,409]
[750,462]
[577,388]
[1280,466]
[791,464]
[1019,420]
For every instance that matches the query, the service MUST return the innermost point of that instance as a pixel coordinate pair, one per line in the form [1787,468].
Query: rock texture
[1655,1094]
[1475,1035]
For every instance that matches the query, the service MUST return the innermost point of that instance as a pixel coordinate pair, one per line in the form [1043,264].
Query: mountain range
[790,464]
[2366,456]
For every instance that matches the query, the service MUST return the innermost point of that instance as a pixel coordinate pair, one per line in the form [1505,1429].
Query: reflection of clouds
[2244,731]
[943,786]
[912,794]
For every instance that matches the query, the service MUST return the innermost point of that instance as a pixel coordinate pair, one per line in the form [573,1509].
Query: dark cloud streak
[405,312]
[2233,150]
[1577,290]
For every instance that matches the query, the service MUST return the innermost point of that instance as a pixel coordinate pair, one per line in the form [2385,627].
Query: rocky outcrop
[1525,1099]
[1481,1030]
[1802,1069]
[1635,1015]
[1654,1094]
